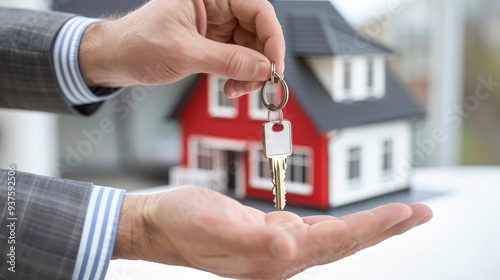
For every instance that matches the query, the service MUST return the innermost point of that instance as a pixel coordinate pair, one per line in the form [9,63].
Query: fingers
[421,212]
[332,239]
[365,225]
[260,15]
[234,88]
[282,217]
[316,219]
[420,215]
[245,67]
[245,38]
[236,62]
[254,28]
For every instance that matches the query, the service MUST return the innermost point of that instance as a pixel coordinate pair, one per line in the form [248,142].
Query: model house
[352,122]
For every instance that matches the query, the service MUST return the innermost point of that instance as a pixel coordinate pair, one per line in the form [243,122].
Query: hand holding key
[165,41]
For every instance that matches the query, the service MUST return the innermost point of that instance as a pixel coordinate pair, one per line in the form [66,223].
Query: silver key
[277,145]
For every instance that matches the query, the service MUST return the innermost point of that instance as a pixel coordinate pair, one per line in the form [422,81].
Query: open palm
[203,229]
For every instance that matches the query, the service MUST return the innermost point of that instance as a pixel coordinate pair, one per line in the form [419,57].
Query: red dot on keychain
[277,127]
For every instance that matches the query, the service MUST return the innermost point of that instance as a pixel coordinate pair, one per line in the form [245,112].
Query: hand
[206,230]
[167,40]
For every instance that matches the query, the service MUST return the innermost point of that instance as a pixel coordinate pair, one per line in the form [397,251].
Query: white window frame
[370,76]
[204,157]
[299,164]
[347,79]
[257,110]
[258,182]
[387,157]
[257,159]
[379,87]
[354,156]
[197,146]
[351,78]
[215,94]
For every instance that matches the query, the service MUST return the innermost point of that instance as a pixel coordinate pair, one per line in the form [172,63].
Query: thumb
[233,61]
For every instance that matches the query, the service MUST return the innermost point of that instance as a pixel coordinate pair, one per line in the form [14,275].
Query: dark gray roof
[320,107]
[318,29]
[324,112]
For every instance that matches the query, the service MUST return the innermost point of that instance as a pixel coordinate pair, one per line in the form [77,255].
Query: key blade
[279,166]
[277,145]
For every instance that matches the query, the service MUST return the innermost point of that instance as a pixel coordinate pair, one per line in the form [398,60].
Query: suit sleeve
[56,229]
[46,221]
[27,78]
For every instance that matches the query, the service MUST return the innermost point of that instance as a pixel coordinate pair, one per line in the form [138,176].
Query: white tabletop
[462,241]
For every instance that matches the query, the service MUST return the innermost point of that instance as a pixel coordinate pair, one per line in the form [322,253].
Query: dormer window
[219,105]
[347,78]
[351,77]
[369,75]
[375,76]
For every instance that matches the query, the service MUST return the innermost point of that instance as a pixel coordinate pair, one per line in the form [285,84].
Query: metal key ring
[275,77]
[280,120]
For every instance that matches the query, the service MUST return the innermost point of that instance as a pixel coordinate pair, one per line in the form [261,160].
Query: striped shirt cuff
[99,233]
[65,61]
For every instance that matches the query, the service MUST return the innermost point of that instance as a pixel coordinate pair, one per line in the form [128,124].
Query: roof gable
[298,24]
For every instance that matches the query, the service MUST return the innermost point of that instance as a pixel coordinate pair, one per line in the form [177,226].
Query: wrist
[140,234]
[132,230]
[98,57]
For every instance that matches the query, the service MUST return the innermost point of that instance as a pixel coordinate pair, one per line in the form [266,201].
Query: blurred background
[447,53]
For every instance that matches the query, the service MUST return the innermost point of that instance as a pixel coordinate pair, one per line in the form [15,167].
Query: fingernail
[235,94]
[424,220]
[232,93]
[231,87]
[262,71]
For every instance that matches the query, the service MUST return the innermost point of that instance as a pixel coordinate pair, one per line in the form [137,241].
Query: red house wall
[195,119]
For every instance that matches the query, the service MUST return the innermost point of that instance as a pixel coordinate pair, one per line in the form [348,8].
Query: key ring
[275,78]
[280,120]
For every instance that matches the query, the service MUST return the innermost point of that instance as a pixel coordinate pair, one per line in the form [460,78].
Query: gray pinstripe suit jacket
[50,212]
[27,79]
[50,216]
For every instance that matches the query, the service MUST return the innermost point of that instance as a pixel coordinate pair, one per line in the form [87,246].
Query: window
[354,164]
[257,110]
[204,157]
[375,77]
[263,168]
[347,75]
[219,104]
[347,80]
[369,75]
[298,168]
[297,174]
[222,100]
[387,159]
